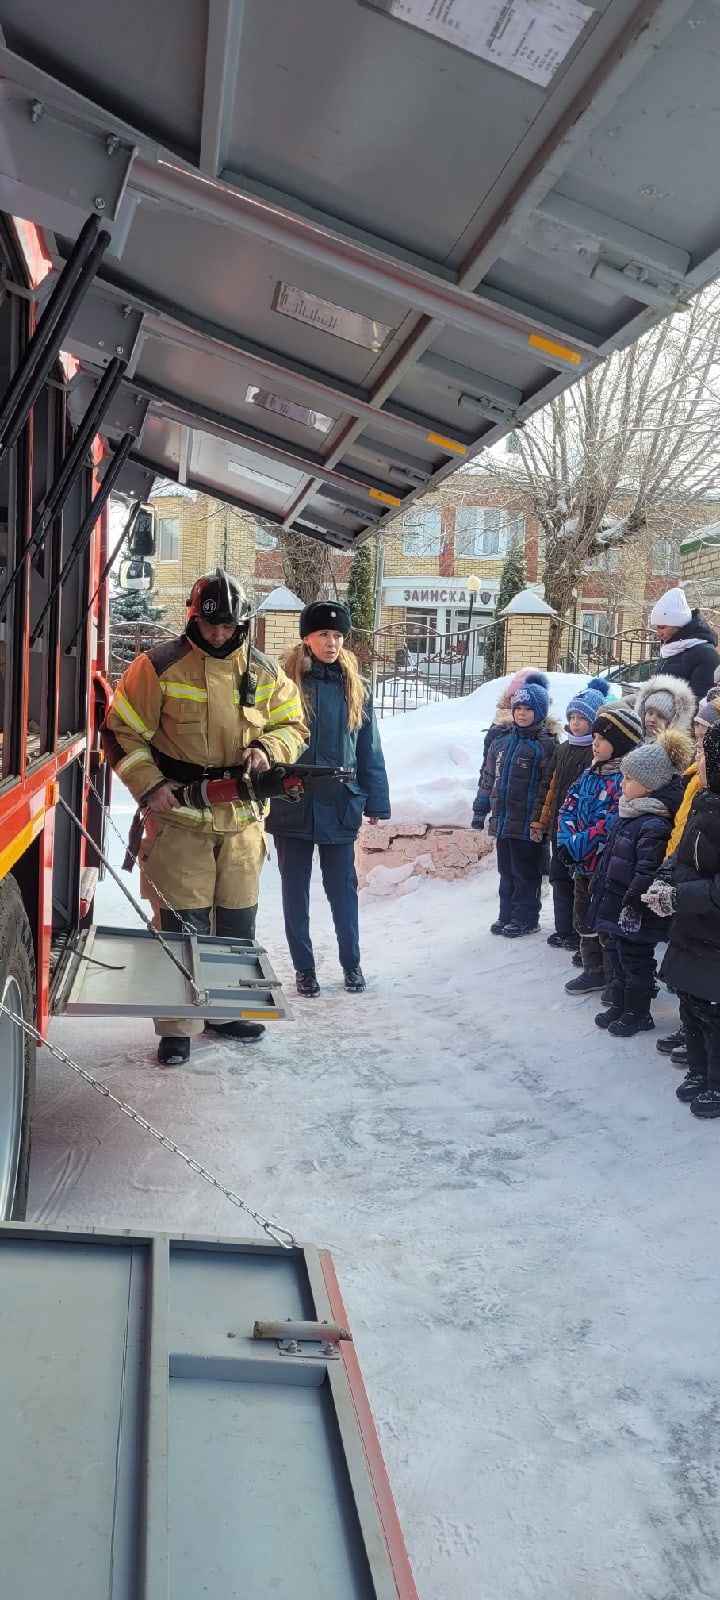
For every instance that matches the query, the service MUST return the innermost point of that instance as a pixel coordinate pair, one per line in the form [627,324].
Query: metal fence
[631,653]
[413,665]
[128,640]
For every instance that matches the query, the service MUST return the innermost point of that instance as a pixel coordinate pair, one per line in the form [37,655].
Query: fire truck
[308,257]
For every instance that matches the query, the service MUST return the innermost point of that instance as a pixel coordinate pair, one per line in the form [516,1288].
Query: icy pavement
[524,1222]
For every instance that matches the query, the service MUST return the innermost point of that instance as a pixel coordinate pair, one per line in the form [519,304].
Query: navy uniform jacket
[336,817]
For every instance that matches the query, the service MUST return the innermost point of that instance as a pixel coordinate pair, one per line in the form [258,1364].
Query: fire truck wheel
[17,1051]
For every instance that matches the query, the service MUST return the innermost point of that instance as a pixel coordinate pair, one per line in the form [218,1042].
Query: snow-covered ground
[523,1218]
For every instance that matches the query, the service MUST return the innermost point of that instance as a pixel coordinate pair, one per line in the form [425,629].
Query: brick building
[196,533]
[462,528]
[466,527]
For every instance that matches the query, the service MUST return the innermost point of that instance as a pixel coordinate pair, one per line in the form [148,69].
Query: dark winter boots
[636,1017]
[173,1052]
[693,1084]
[670,1042]
[586,982]
[615,1003]
[706,1104]
[354,980]
[558,941]
[306,984]
[517,930]
[240,1032]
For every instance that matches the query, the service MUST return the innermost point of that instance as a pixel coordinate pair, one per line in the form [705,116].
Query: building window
[422,534]
[606,560]
[595,627]
[421,632]
[169,539]
[486,531]
[263,539]
[665,558]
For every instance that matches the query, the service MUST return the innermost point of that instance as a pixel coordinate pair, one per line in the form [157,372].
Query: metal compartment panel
[152,1449]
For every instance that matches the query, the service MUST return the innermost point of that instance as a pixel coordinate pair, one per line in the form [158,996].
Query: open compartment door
[125,972]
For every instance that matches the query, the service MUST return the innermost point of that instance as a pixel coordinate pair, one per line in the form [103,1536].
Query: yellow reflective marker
[260,1016]
[553,349]
[452,445]
[387,499]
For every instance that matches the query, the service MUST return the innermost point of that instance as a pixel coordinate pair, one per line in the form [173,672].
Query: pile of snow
[434,756]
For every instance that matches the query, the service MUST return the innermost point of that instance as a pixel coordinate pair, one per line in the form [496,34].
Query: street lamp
[472,586]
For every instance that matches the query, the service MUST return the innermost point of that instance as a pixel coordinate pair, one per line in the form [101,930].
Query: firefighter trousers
[211,881]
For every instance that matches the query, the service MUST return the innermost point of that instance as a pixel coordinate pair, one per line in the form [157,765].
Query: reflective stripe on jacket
[189,706]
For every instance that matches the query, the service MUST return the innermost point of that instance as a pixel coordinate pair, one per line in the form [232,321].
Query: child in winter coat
[628,929]
[569,759]
[665,702]
[502,721]
[584,821]
[706,717]
[515,772]
[688,889]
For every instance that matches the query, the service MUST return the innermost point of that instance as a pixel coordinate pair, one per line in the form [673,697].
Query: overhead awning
[355,242]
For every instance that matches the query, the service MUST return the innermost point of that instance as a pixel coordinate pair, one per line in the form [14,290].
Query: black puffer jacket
[631,859]
[699,663]
[692,960]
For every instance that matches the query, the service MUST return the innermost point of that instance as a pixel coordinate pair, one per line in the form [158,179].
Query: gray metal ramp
[152,1449]
[354,242]
[127,972]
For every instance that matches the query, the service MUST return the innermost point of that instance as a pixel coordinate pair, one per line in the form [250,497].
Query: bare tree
[306,566]
[632,446]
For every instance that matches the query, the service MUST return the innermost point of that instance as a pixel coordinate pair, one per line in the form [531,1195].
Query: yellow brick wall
[700,578]
[465,567]
[526,642]
[211,535]
[281,632]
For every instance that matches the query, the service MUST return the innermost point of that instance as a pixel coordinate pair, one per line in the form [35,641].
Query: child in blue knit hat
[569,759]
[515,773]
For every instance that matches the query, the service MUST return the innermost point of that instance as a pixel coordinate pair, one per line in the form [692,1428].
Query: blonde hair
[297,664]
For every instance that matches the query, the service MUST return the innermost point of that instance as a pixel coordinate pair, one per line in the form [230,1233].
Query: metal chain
[185,926]
[279,1235]
[201,995]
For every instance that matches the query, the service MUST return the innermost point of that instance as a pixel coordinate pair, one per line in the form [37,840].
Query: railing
[590,650]
[413,665]
[128,640]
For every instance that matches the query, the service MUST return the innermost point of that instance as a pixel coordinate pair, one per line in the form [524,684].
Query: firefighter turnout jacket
[177,701]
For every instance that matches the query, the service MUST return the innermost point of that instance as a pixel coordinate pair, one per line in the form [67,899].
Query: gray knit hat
[708,711]
[653,765]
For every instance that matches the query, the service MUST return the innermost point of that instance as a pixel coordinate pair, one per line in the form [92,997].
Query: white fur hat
[671,610]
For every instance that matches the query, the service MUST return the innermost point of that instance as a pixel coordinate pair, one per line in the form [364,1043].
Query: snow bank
[433,754]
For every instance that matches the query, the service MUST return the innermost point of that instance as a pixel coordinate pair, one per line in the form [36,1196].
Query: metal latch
[313,1340]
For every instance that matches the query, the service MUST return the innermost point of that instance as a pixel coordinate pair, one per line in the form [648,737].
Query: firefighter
[185,709]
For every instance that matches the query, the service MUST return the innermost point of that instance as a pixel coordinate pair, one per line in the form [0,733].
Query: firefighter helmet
[218,598]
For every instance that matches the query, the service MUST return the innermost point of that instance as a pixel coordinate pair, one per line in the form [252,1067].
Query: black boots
[354,980]
[498,927]
[636,1017]
[586,982]
[558,941]
[706,1103]
[693,1084]
[517,930]
[306,984]
[670,1042]
[242,1032]
[615,1003]
[173,1052]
